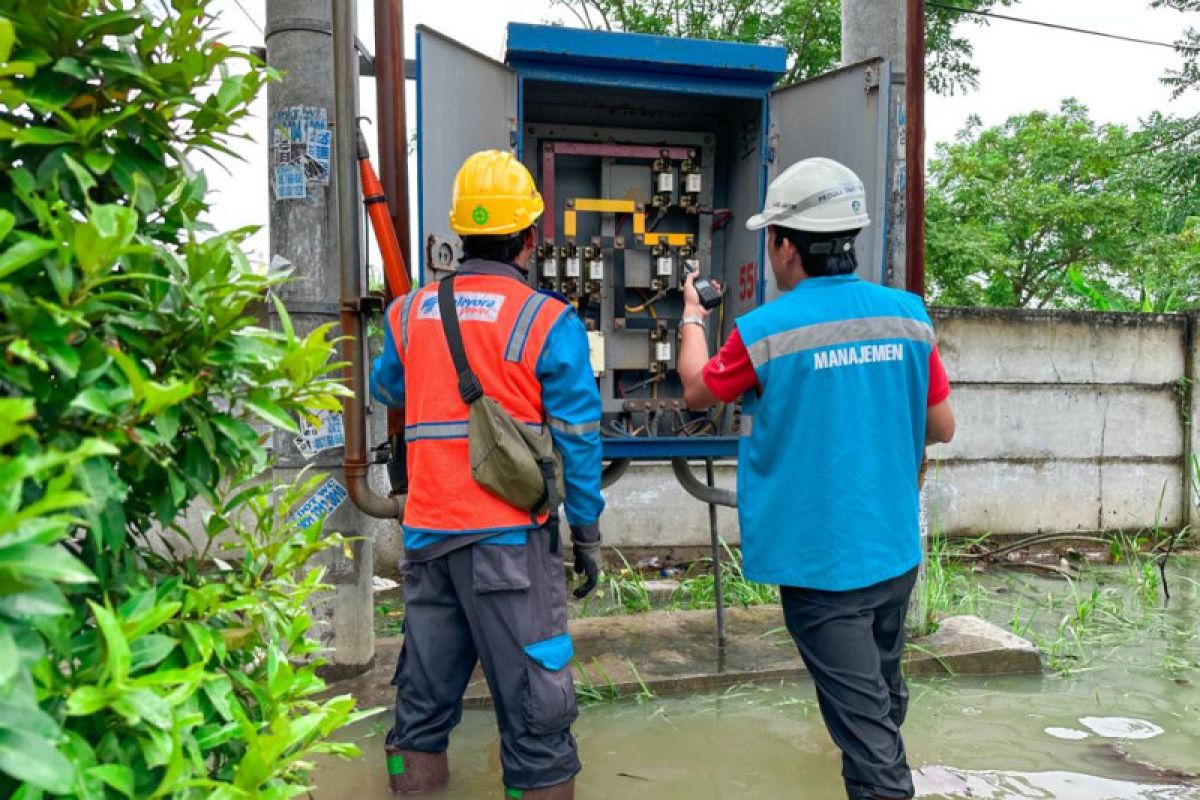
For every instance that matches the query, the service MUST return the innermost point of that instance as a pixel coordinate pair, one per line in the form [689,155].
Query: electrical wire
[253,21]
[647,305]
[1055,26]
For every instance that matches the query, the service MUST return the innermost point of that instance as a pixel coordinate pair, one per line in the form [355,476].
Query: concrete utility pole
[304,230]
[877,29]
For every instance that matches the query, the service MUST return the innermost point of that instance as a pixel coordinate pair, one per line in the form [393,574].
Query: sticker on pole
[329,434]
[301,145]
[323,502]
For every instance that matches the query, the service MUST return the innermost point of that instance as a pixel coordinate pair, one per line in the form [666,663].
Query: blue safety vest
[827,466]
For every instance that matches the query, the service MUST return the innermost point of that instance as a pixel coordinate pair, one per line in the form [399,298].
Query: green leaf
[42,136]
[10,661]
[144,704]
[131,371]
[144,198]
[7,38]
[23,253]
[21,349]
[259,403]
[157,396]
[116,648]
[82,176]
[71,66]
[116,776]
[148,651]
[51,563]
[220,693]
[7,220]
[155,616]
[42,600]
[108,231]
[36,760]
[26,716]
[94,401]
[87,700]
[98,161]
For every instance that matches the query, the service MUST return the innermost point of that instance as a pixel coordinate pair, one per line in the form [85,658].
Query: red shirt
[730,374]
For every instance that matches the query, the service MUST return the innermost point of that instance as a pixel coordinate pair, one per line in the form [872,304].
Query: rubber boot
[414,772]
[559,791]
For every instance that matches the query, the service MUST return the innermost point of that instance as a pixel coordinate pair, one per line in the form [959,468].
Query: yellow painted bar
[603,206]
[568,224]
[639,224]
[671,239]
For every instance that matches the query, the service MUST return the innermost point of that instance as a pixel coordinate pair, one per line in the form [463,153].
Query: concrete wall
[1066,422]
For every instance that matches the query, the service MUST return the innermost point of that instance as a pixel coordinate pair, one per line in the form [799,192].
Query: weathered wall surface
[1066,422]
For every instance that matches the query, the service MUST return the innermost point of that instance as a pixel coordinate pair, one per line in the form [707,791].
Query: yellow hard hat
[493,195]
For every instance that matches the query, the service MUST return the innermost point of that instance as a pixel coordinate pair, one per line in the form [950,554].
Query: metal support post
[715,541]
[914,141]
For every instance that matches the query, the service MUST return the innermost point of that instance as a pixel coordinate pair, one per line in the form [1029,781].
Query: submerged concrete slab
[672,652]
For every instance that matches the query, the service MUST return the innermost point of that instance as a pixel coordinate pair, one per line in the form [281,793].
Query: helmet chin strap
[841,246]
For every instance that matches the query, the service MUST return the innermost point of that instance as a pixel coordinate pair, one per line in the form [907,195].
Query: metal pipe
[345,172]
[393,125]
[692,485]
[914,148]
[613,471]
[393,139]
[714,535]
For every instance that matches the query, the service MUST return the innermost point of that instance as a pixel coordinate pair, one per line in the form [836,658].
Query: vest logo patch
[861,354]
[472,306]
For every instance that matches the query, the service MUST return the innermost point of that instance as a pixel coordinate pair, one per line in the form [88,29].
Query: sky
[1022,68]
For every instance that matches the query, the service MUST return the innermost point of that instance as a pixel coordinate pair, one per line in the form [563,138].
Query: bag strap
[469,388]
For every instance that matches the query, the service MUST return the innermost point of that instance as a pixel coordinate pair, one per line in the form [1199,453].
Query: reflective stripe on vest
[504,327]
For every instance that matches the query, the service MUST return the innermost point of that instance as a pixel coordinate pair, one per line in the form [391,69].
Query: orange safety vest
[504,328]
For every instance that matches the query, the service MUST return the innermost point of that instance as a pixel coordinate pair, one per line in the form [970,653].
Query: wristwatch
[692,321]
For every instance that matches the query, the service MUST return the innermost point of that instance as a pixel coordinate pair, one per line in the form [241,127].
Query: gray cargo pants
[852,643]
[489,603]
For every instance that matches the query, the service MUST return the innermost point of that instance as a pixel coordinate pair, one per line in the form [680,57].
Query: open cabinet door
[841,115]
[465,102]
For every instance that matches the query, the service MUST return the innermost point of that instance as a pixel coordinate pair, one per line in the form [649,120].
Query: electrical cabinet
[650,153]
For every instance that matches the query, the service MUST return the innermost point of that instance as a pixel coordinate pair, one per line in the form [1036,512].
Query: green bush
[136,659]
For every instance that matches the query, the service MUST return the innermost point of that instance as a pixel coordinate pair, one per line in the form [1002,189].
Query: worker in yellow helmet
[483,571]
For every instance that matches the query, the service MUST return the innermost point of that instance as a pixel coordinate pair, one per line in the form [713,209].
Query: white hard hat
[816,194]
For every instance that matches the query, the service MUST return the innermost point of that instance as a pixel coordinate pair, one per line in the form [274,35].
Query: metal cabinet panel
[465,102]
[841,115]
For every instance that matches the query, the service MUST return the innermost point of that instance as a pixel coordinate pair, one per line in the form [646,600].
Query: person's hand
[585,541]
[691,298]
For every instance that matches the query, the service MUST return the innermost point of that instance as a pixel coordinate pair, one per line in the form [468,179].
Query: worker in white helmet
[842,388]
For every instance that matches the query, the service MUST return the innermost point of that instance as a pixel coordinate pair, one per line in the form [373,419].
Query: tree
[1055,210]
[809,29]
[137,658]
[1187,76]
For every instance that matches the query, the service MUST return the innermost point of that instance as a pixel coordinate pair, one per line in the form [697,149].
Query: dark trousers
[852,643]
[488,602]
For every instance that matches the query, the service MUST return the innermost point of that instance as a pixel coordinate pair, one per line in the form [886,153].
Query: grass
[624,591]
[699,591]
[1078,624]
[591,692]
[389,617]
[1075,622]
[620,592]
[946,589]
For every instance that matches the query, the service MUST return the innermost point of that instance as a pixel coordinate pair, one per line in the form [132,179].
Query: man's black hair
[504,248]
[822,254]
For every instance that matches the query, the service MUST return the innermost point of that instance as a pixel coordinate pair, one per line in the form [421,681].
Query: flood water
[1122,722]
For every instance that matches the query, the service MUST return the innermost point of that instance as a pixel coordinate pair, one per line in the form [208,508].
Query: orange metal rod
[375,202]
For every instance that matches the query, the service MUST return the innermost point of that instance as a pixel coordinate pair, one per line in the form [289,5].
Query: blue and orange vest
[827,468]
[504,328]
